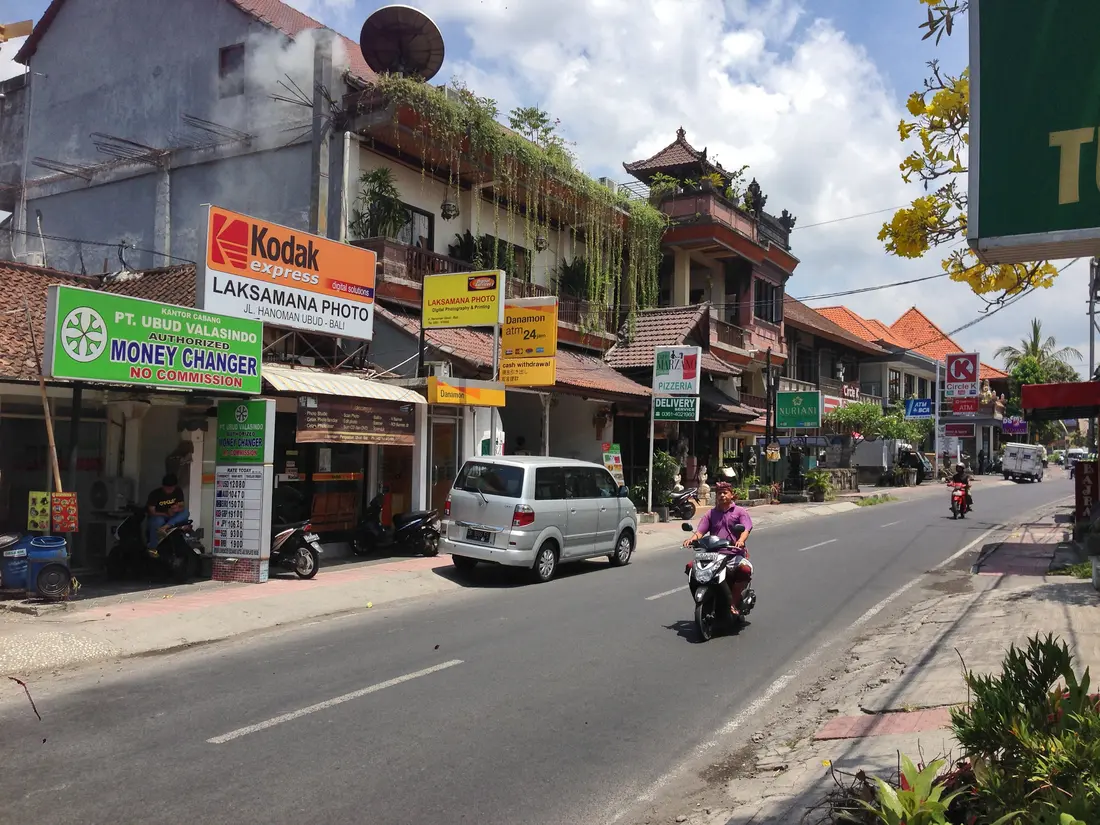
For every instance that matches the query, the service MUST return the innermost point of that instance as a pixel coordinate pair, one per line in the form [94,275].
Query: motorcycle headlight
[699,594]
[704,574]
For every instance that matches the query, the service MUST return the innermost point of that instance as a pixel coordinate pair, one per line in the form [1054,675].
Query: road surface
[502,704]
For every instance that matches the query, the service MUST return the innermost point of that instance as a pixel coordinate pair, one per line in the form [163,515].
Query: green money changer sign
[113,339]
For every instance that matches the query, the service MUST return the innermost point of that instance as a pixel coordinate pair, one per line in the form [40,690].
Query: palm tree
[1047,352]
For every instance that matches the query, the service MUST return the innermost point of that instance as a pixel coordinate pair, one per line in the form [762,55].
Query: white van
[535,512]
[1023,461]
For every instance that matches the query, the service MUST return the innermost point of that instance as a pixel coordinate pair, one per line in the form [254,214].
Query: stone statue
[677,487]
[987,394]
[704,488]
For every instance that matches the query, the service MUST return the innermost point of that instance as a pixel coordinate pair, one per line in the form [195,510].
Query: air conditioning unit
[438,369]
[610,184]
[110,494]
[34,259]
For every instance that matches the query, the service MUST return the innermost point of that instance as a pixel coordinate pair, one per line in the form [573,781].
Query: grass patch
[878,498]
[1082,570]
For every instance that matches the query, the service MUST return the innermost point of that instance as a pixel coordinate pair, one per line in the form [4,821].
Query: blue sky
[807,92]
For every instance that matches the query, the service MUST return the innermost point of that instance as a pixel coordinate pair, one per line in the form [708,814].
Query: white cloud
[761,83]
[8,66]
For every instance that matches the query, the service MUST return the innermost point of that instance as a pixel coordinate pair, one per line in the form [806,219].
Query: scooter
[296,547]
[416,531]
[683,504]
[959,507]
[707,580]
[178,554]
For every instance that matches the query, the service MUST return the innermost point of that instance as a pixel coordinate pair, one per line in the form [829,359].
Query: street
[505,703]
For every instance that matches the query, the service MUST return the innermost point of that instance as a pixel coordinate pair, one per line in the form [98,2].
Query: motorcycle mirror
[687,528]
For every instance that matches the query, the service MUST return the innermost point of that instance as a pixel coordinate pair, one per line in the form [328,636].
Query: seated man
[165,507]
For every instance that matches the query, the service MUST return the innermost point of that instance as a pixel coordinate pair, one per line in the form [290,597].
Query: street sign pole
[649,475]
[936,428]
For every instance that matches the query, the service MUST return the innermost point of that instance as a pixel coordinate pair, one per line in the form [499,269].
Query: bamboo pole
[45,402]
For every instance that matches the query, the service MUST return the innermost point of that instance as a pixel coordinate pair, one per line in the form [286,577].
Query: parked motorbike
[416,531]
[683,504]
[296,547]
[959,507]
[707,573]
[178,554]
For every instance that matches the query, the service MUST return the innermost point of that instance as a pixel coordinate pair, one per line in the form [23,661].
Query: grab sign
[962,375]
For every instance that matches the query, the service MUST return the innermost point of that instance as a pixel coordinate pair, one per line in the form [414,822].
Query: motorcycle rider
[963,477]
[165,507]
[722,521]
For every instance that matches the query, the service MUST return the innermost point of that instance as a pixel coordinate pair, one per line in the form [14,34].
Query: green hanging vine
[621,236]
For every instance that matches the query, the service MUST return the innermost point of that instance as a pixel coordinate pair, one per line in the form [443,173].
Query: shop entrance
[443,455]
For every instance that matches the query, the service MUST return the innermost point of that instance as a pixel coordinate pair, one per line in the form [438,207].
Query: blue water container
[13,561]
[48,573]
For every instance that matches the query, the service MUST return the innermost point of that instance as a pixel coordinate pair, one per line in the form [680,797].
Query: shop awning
[1060,402]
[719,405]
[309,381]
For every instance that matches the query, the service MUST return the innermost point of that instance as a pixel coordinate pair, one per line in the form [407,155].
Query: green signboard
[104,338]
[677,408]
[798,410]
[246,432]
[1034,179]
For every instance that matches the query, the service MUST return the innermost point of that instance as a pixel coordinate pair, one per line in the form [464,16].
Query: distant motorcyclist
[733,523]
[963,477]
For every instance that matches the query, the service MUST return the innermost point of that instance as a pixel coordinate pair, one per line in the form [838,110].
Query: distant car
[536,512]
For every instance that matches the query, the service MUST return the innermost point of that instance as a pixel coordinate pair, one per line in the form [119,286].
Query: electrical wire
[111,245]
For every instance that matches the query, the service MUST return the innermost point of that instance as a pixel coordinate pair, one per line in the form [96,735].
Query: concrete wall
[13,119]
[170,68]
[571,432]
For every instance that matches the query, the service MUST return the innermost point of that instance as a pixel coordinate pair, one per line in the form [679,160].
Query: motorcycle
[178,554]
[707,580]
[683,504]
[296,547]
[416,531]
[959,507]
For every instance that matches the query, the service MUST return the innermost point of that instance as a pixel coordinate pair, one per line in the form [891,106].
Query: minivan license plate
[483,536]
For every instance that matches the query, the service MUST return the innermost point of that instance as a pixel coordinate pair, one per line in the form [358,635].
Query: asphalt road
[502,703]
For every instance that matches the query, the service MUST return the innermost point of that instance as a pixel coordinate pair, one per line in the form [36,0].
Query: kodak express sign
[285,277]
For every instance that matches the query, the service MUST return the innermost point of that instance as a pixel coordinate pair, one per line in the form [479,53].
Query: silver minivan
[535,512]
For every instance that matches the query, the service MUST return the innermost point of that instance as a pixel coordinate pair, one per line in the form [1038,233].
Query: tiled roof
[29,284]
[866,328]
[714,398]
[169,285]
[664,327]
[274,13]
[800,316]
[677,153]
[575,370]
[934,342]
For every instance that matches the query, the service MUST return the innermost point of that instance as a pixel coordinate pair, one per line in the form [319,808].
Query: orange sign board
[286,277]
[465,393]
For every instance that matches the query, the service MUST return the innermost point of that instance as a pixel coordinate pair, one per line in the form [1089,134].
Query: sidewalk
[892,692]
[146,621]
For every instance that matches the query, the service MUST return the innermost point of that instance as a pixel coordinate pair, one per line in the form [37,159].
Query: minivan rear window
[490,479]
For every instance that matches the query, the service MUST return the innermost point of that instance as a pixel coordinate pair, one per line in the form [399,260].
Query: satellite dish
[402,40]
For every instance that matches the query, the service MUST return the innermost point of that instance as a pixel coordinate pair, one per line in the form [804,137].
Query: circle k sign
[962,375]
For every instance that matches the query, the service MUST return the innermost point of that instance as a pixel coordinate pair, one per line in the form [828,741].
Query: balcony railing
[794,385]
[757,401]
[398,262]
[728,334]
[707,206]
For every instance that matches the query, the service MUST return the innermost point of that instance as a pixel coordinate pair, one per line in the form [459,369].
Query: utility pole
[769,431]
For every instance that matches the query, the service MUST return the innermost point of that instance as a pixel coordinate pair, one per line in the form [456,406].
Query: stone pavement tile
[887,724]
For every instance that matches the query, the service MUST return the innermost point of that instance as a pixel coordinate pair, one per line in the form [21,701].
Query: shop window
[419,230]
[922,387]
[767,301]
[490,479]
[895,385]
[910,386]
[231,70]
[804,365]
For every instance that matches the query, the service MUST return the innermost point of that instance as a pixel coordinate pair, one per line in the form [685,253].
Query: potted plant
[819,483]
[665,468]
[661,187]
[378,211]
[711,183]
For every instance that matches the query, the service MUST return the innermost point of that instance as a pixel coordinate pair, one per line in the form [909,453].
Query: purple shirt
[717,523]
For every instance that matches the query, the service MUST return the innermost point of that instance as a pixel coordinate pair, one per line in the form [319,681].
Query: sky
[808,93]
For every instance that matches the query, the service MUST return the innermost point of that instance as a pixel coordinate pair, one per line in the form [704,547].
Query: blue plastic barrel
[48,573]
[13,561]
